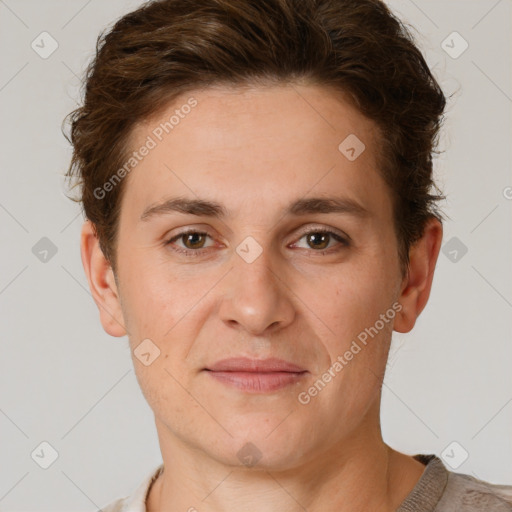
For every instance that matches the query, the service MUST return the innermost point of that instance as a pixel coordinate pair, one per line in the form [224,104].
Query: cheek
[155,297]
[169,400]
[350,301]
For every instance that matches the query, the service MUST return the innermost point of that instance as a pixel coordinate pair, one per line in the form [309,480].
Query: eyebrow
[201,207]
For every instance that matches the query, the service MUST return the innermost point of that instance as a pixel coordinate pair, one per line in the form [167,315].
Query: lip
[256,375]
[245,364]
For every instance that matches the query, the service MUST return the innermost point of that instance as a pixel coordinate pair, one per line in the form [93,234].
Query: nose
[255,299]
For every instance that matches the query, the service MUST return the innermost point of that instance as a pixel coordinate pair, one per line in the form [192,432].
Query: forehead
[261,141]
[219,112]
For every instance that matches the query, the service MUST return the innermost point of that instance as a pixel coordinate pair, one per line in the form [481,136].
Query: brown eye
[193,240]
[191,243]
[322,240]
[318,240]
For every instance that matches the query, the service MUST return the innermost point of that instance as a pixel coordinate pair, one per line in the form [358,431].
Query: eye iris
[323,238]
[192,237]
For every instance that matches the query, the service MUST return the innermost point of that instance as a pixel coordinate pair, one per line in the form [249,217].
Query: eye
[192,241]
[319,239]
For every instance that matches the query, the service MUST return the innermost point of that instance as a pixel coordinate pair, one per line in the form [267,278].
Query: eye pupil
[323,238]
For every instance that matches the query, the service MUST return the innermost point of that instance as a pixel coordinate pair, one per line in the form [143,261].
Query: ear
[101,282]
[417,284]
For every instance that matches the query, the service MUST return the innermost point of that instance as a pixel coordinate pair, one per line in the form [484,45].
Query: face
[290,254]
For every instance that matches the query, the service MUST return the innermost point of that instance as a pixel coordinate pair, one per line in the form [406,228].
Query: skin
[255,151]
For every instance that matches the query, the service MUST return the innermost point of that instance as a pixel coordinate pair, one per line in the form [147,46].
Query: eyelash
[197,252]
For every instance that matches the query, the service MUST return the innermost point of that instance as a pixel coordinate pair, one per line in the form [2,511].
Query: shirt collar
[430,487]
[136,502]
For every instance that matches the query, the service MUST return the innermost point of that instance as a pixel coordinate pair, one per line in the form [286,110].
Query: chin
[257,447]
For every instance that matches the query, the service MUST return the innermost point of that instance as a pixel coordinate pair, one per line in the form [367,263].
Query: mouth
[256,375]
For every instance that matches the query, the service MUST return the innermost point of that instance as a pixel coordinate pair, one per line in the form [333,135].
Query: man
[257,181]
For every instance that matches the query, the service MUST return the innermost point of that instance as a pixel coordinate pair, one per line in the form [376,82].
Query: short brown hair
[168,47]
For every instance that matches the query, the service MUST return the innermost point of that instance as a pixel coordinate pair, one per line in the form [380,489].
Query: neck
[362,473]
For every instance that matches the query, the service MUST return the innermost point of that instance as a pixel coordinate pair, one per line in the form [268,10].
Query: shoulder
[466,493]
[441,490]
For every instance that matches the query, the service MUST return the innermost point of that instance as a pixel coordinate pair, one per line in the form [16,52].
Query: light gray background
[66,382]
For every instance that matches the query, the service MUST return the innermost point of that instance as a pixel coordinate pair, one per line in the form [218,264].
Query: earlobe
[101,282]
[417,283]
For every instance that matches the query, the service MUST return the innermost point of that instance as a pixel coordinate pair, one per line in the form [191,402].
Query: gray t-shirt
[438,490]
